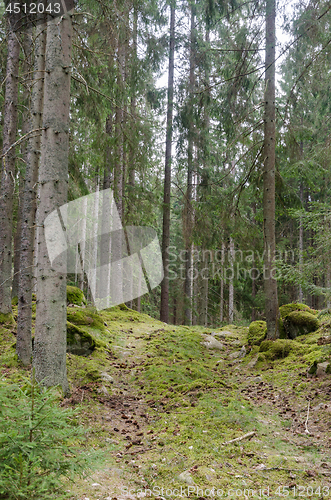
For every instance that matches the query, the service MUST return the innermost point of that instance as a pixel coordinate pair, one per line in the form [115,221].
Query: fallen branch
[245,436]
[306,423]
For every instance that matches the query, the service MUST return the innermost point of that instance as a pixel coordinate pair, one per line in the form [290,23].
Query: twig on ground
[245,436]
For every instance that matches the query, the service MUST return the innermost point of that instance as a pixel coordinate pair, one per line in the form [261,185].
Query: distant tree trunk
[253,280]
[222,285]
[27,237]
[17,237]
[205,311]
[270,284]
[188,215]
[119,118]
[8,168]
[50,343]
[133,103]
[164,310]
[174,311]
[300,298]
[231,289]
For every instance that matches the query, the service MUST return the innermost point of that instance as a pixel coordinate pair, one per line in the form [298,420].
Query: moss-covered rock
[257,332]
[79,341]
[294,306]
[85,316]
[300,323]
[75,296]
[275,349]
[123,307]
[7,319]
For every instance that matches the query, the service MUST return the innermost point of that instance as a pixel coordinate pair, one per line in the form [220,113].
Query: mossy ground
[159,403]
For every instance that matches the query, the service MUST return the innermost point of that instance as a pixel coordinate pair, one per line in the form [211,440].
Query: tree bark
[188,215]
[222,285]
[270,284]
[8,169]
[231,289]
[50,338]
[164,311]
[24,317]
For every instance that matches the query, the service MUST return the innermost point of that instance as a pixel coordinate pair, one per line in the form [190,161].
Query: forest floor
[163,402]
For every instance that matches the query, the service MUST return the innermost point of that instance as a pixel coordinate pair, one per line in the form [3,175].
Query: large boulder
[85,316]
[75,296]
[300,323]
[79,341]
[257,332]
[294,306]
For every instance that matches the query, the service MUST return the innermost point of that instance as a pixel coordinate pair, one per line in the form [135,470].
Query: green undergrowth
[193,396]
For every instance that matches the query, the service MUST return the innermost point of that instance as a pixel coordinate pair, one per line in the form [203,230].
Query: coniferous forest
[206,121]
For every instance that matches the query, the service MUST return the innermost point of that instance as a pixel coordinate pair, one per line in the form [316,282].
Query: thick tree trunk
[8,170]
[51,333]
[270,284]
[164,311]
[189,195]
[26,41]
[24,318]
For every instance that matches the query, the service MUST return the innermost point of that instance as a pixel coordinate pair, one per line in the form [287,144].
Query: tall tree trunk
[8,168]
[164,311]
[24,317]
[253,276]
[26,41]
[51,333]
[188,215]
[300,298]
[133,103]
[231,289]
[119,118]
[222,285]
[17,237]
[270,284]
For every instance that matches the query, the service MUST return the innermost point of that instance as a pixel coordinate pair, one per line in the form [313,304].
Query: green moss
[123,307]
[14,301]
[79,341]
[86,316]
[300,323]
[275,349]
[7,319]
[75,296]
[295,306]
[257,332]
